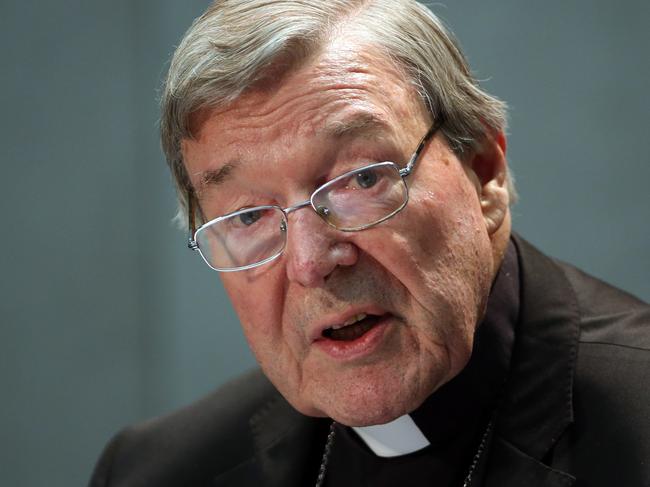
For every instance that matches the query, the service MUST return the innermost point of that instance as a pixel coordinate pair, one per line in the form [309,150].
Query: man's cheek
[264,344]
[251,302]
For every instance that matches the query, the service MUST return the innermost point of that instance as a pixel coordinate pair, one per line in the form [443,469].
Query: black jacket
[576,409]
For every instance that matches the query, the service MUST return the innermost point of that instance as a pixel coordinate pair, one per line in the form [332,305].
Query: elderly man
[341,168]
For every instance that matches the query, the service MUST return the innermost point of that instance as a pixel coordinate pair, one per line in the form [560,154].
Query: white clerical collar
[399,437]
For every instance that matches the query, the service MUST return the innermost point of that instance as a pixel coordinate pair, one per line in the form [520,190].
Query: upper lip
[332,319]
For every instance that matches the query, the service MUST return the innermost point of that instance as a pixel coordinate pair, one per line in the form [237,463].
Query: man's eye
[366,179]
[250,217]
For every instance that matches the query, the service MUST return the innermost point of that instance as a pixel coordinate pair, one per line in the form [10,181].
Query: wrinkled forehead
[341,79]
[345,91]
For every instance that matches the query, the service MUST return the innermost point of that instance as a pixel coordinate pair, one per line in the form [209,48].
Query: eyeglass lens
[352,201]
[362,198]
[243,239]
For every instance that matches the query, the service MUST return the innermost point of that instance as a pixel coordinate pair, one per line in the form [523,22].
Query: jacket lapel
[284,440]
[538,401]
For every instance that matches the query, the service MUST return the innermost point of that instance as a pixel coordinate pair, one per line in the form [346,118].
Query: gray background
[105,317]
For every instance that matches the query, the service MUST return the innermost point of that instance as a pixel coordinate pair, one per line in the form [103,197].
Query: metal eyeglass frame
[320,211]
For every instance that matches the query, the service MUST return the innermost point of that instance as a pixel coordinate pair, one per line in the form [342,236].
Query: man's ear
[489,165]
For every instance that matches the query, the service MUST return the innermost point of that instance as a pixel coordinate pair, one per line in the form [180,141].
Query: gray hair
[235,44]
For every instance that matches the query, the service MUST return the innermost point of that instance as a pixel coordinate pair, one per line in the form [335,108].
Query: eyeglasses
[350,202]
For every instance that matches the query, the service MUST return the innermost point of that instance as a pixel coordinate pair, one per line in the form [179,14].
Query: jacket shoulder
[193,444]
[609,316]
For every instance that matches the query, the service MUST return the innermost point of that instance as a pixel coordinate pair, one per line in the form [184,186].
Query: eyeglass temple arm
[191,243]
[405,171]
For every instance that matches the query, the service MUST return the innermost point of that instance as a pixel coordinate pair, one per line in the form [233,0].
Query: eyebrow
[361,124]
[216,177]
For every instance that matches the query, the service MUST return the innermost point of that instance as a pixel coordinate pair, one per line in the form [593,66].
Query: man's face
[417,282]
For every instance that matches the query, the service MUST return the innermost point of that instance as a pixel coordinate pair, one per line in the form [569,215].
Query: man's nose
[314,249]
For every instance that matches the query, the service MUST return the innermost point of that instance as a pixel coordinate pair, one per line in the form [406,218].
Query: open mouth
[354,328]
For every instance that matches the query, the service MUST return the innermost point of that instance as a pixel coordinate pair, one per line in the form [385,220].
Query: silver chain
[322,471]
[477,456]
[326,455]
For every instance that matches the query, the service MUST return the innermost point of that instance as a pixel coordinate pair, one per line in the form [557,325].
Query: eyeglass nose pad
[283,226]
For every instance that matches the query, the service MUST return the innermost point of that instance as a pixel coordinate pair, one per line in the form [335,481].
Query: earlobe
[490,167]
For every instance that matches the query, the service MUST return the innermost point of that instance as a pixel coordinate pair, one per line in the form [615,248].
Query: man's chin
[369,394]
[363,409]
[375,418]
[369,415]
